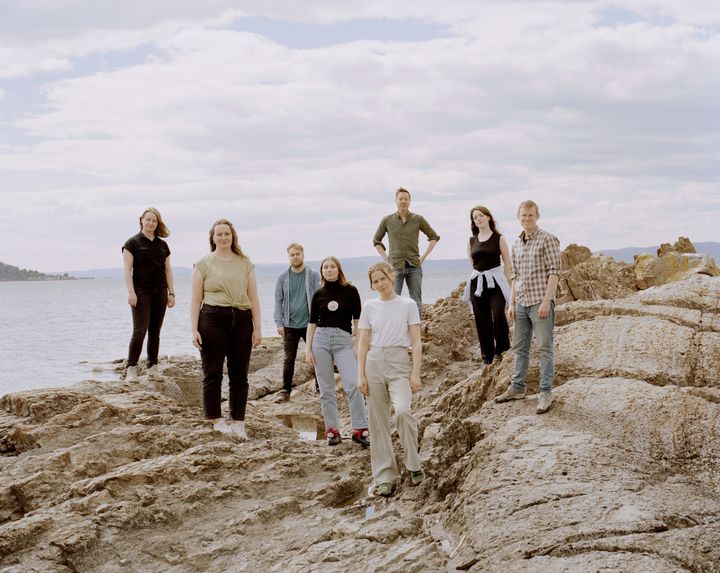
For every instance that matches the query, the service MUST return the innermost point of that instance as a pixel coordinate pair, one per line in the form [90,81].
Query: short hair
[402,190]
[161,230]
[342,279]
[385,268]
[527,205]
[297,246]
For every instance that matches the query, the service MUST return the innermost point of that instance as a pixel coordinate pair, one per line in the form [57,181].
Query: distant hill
[351,265]
[627,254]
[354,265]
[12,273]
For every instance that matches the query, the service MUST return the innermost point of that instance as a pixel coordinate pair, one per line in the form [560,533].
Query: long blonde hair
[235,246]
[161,230]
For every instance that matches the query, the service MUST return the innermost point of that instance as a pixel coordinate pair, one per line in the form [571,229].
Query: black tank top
[485,254]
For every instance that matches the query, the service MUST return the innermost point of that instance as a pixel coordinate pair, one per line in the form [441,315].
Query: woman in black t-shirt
[149,280]
[335,307]
[488,290]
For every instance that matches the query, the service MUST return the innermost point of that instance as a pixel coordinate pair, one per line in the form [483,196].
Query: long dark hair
[491,223]
[342,280]
[235,246]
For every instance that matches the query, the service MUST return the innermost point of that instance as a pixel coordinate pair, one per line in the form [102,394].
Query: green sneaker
[384,489]
[417,477]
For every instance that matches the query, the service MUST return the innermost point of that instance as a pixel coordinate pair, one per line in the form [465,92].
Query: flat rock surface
[622,474]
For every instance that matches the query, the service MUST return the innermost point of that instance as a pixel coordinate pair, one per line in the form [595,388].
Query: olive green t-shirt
[225,283]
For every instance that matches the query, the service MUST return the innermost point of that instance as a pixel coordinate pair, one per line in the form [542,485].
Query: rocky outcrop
[622,474]
[682,245]
[671,267]
[596,277]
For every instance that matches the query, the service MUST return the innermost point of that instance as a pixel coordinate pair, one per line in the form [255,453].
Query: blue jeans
[330,345]
[527,320]
[413,277]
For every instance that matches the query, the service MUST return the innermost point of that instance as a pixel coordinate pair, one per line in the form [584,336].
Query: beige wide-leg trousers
[388,374]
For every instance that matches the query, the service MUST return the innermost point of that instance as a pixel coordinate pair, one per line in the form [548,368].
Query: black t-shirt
[148,261]
[335,305]
[485,254]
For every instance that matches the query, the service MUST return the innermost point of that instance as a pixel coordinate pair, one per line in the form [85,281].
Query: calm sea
[55,333]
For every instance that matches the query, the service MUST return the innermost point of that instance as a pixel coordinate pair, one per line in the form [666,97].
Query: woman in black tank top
[486,249]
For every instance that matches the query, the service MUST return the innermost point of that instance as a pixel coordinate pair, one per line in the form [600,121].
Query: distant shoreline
[350,264]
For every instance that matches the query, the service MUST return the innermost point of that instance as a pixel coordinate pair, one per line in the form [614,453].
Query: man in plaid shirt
[535,274]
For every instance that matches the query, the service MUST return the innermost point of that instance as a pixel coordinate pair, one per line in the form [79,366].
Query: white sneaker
[544,402]
[238,428]
[154,373]
[132,374]
[222,426]
[511,394]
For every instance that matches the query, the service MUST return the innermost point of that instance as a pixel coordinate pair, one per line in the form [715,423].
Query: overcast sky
[298,120]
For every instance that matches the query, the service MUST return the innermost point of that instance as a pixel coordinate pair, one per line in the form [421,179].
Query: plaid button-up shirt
[534,258]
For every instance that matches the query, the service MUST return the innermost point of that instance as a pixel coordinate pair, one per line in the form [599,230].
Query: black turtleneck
[335,305]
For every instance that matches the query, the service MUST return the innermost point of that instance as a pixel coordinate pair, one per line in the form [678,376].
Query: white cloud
[605,126]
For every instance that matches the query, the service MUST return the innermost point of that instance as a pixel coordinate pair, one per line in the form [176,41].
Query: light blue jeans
[413,277]
[527,321]
[334,345]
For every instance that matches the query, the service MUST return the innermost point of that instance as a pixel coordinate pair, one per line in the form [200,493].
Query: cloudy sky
[298,120]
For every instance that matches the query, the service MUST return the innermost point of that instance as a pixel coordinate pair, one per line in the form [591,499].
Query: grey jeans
[334,345]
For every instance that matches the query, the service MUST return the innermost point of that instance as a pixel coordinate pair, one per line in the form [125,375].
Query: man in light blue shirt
[293,294]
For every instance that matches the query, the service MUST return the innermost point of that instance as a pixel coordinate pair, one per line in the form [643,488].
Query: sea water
[55,333]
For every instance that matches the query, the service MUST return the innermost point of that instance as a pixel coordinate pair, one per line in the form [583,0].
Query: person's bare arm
[309,358]
[363,347]
[505,255]
[127,274]
[430,247]
[416,344]
[170,283]
[197,287]
[252,293]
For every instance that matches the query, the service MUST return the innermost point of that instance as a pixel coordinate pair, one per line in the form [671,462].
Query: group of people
[324,310]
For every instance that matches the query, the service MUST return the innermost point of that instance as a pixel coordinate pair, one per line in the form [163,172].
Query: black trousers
[490,320]
[148,315]
[291,339]
[226,333]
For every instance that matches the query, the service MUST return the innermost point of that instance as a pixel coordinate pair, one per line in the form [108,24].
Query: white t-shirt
[389,320]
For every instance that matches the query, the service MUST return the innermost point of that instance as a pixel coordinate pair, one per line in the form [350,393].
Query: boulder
[682,245]
[596,278]
[671,267]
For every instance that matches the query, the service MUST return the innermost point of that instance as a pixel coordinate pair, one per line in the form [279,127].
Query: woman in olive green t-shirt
[225,321]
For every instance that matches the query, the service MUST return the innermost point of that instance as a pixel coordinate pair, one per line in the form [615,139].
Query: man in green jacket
[403,231]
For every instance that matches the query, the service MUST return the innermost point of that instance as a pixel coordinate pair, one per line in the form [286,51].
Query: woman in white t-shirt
[388,326]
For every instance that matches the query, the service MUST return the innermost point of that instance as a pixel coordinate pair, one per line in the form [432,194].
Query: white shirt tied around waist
[494,277]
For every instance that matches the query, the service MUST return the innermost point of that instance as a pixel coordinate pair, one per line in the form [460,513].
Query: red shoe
[362,437]
[333,437]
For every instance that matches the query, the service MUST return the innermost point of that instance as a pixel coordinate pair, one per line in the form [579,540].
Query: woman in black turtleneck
[335,308]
